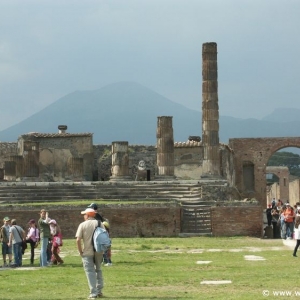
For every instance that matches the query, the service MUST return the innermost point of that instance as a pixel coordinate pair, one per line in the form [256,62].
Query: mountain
[282,115]
[123,111]
[128,111]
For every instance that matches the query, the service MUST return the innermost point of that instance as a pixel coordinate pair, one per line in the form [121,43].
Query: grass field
[166,268]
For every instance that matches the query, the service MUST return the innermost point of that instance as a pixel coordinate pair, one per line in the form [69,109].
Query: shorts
[6,249]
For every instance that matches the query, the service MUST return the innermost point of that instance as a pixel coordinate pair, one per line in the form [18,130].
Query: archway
[257,152]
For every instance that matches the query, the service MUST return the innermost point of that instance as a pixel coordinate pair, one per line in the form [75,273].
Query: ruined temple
[239,168]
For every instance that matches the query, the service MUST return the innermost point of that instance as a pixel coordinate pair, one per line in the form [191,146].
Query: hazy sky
[51,48]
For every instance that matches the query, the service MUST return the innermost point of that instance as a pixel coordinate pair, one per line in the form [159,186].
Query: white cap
[88,210]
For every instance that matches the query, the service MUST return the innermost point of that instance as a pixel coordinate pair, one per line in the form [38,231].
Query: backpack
[100,240]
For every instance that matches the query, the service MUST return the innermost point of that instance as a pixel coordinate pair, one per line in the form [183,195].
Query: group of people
[47,233]
[14,239]
[282,217]
[285,220]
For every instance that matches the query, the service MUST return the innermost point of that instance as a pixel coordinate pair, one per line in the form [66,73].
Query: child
[33,237]
[107,254]
[56,243]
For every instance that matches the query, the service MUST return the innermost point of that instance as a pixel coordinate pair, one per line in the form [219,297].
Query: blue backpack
[100,240]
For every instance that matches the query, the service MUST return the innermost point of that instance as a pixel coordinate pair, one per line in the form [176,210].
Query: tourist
[56,243]
[282,222]
[91,260]
[95,208]
[269,214]
[289,221]
[4,238]
[107,254]
[275,223]
[45,235]
[273,203]
[33,237]
[297,235]
[16,237]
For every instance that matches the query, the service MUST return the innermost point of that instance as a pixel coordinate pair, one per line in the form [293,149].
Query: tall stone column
[120,162]
[210,111]
[165,149]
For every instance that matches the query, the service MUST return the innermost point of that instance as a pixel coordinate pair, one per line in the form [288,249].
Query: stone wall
[103,160]
[6,150]
[188,158]
[294,191]
[146,220]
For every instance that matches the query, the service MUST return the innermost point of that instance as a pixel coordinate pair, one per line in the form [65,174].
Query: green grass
[165,268]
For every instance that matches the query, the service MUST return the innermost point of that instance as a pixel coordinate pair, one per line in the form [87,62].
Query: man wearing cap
[4,238]
[91,260]
[44,228]
[95,208]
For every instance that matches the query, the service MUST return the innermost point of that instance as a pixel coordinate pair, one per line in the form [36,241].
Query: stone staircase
[181,191]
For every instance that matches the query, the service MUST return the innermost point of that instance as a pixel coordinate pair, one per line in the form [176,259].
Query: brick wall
[148,220]
[237,220]
[126,220]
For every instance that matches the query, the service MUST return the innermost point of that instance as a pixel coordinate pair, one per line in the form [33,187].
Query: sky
[51,48]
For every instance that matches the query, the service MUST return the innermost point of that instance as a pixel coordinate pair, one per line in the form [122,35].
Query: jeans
[93,272]
[43,255]
[17,250]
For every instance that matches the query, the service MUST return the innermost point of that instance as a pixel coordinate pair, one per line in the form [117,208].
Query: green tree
[286,159]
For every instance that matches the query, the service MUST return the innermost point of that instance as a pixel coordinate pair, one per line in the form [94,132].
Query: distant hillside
[283,115]
[127,111]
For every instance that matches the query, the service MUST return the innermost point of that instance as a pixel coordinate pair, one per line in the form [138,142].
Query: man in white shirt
[91,260]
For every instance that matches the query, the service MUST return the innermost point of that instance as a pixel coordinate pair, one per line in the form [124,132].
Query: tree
[286,159]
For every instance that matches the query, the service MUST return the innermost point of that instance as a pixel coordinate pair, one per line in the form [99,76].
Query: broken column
[120,162]
[210,111]
[165,149]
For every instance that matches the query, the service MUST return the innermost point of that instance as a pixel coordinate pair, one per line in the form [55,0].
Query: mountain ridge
[128,111]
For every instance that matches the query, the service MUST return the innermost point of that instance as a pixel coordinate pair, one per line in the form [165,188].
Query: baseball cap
[6,219]
[88,211]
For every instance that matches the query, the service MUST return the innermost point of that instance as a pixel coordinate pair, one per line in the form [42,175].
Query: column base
[120,178]
[164,178]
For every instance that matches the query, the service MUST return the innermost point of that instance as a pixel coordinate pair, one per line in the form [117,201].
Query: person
[276,226]
[45,235]
[282,222]
[4,238]
[269,214]
[273,203]
[95,208]
[56,242]
[16,237]
[289,221]
[297,235]
[33,237]
[91,260]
